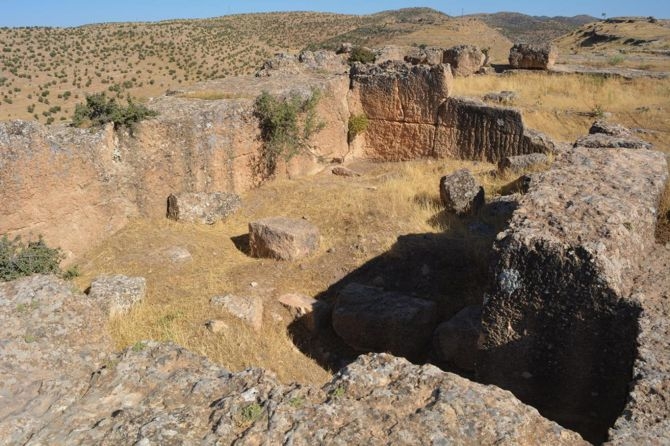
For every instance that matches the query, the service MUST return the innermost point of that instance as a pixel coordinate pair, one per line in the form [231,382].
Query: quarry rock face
[283,238]
[117,294]
[465,60]
[534,57]
[202,207]
[561,325]
[78,186]
[371,319]
[461,193]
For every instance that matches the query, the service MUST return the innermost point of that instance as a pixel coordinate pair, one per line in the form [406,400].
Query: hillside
[524,28]
[46,71]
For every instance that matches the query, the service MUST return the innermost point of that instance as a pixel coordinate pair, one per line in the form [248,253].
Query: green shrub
[616,60]
[361,54]
[286,126]
[100,110]
[357,125]
[18,259]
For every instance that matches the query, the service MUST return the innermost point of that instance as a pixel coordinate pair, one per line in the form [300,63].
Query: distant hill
[524,28]
[44,71]
[619,34]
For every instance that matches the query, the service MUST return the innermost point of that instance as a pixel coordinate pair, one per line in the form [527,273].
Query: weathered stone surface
[455,341]
[216,326]
[344,172]
[400,92]
[314,314]
[283,238]
[283,63]
[428,56]
[51,342]
[461,193]
[470,129]
[371,319]
[163,394]
[540,57]
[202,207]
[465,60]
[246,308]
[561,323]
[117,294]
[522,163]
[609,128]
[504,97]
[646,417]
[78,186]
[601,140]
[177,254]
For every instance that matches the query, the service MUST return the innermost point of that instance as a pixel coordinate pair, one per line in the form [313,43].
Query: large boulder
[283,238]
[202,207]
[461,193]
[371,319]
[117,294]
[535,57]
[455,341]
[428,56]
[464,60]
[561,323]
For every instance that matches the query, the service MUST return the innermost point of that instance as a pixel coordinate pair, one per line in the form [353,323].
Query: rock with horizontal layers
[534,57]
[371,319]
[560,327]
[455,341]
[283,238]
[202,207]
[246,308]
[523,163]
[465,60]
[460,193]
[602,140]
[609,128]
[117,294]
[52,342]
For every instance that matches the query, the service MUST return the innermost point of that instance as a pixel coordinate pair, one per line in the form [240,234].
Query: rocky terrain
[563,340]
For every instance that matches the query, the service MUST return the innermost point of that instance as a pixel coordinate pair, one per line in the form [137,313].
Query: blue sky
[79,12]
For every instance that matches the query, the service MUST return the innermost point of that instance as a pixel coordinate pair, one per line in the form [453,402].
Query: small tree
[286,126]
[18,259]
[361,54]
[99,110]
[357,124]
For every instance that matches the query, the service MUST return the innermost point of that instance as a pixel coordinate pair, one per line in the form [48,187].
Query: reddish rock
[465,60]
[283,238]
[536,57]
[202,207]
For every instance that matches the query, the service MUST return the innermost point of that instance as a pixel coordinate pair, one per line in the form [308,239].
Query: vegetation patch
[361,54]
[99,110]
[287,125]
[357,124]
[18,259]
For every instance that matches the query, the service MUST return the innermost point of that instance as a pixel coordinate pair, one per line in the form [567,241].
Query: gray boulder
[455,341]
[601,140]
[461,193]
[609,128]
[371,319]
[117,294]
[202,207]
[523,163]
[283,238]
[536,57]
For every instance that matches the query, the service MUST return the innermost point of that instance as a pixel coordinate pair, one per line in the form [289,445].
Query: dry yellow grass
[564,106]
[359,218]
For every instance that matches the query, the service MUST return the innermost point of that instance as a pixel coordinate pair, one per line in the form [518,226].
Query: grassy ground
[564,106]
[360,219]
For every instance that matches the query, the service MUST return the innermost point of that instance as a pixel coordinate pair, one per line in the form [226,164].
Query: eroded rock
[465,60]
[202,207]
[117,294]
[246,308]
[283,238]
[523,163]
[371,319]
[561,324]
[528,56]
[461,193]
